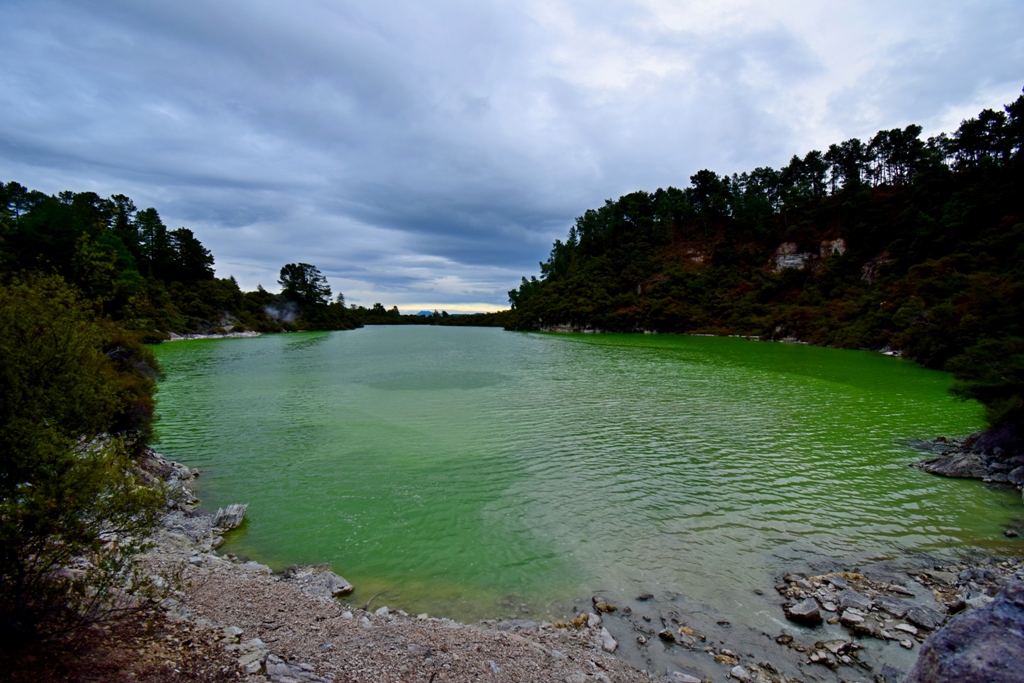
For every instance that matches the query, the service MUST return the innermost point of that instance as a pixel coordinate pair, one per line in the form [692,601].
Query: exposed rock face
[833,247]
[957,465]
[230,517]
[789,256]
[985,645]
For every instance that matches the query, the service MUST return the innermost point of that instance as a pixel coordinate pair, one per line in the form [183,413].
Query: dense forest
[895,243]
[151,280]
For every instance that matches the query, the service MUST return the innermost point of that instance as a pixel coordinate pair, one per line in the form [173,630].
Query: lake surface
[472,472]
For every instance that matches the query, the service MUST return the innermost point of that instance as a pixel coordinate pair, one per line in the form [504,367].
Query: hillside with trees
[895,243]
[151,280]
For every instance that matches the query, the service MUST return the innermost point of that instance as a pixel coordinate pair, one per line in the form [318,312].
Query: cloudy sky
[425,153]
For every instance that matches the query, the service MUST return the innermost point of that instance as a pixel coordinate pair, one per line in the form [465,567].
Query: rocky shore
[292,627]
[226,619]
[995,456]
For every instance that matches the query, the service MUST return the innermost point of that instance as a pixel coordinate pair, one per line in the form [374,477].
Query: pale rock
[839,582]
[318,580]
[851,598]
[677,677]
[608,644]
[230,517]
[834,646]
[851,618]
[593,620]
[381,611]
[740,674]
[906,628]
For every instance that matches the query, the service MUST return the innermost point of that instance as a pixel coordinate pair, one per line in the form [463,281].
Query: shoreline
[174,336]
[873,620]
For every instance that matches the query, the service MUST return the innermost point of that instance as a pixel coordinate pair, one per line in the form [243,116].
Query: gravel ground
[319,637]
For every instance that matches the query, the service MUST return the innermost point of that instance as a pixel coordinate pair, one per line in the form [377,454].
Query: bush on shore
[76,402]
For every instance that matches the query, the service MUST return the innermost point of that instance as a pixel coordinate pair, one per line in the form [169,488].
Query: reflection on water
[453,467]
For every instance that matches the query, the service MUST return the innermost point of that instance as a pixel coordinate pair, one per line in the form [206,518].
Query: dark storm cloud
[425,153]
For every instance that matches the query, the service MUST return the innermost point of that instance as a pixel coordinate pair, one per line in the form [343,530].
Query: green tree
[73,515]
[304,284]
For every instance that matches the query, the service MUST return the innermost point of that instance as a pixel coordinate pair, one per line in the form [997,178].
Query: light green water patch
[467,471]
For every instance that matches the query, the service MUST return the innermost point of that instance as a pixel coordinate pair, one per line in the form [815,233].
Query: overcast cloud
[426,154]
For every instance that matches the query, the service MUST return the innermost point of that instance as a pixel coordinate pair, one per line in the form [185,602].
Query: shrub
[75,401]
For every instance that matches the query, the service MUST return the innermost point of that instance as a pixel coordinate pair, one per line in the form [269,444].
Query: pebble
[739,673]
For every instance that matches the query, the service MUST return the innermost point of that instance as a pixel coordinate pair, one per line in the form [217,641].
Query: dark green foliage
[303,284]
[916,245]
[150,279]
[75,402]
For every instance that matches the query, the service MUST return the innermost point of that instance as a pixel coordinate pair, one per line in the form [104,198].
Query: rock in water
[958,465]
[851,598]
[608,644]
[740,674]
[230,517]
[985,645]
[805,612]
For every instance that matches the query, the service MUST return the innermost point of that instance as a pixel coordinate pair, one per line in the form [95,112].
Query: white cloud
[431,152]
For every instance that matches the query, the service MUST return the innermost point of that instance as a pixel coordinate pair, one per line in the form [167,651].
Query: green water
[466,472]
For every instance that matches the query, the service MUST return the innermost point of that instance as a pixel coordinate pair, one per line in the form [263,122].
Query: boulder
[608,644]
[1016,476]
[318,581]
[981,646]
[230,517]
[897,608]
[805,612]
[958,465]
[838,581]
[925,617]
[851,598]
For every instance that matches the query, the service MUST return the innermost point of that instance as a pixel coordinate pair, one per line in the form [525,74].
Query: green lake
[472,472]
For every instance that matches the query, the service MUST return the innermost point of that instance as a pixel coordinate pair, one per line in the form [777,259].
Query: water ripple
[455,466]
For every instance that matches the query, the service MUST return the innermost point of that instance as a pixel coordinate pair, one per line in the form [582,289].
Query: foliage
[75,401]
[305,285]
[151,280]
[894,242]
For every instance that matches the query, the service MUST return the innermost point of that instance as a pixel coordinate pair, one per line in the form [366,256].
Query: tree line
[150,279]
[898,242]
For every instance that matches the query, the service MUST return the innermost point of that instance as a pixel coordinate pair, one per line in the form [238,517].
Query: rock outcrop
[985,645]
